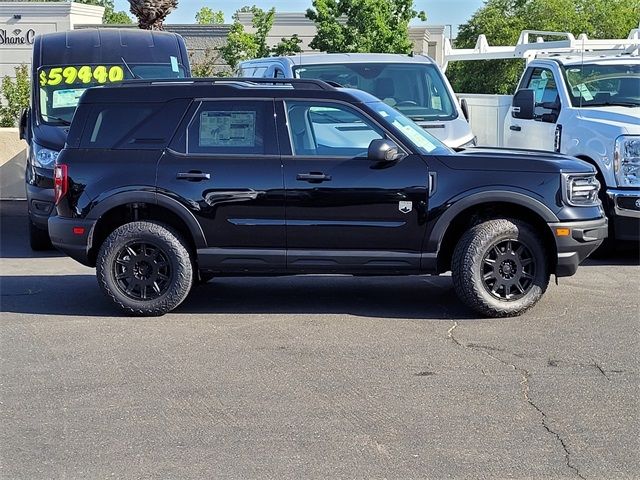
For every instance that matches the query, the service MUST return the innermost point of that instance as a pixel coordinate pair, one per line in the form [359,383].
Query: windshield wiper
[612,104]
[61,120]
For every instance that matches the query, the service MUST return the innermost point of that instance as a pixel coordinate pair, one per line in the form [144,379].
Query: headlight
[626,160]
[580,190]
[43,157]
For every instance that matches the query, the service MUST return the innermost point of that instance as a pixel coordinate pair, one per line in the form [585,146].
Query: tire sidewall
[175,251]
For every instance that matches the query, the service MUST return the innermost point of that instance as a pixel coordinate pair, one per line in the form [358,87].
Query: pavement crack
[601,370]
[525,388]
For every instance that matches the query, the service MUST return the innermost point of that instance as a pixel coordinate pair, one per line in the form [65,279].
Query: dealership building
[20,22]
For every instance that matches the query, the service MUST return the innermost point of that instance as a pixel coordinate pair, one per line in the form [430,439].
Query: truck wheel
[38,238]
[145,268]
[500,268]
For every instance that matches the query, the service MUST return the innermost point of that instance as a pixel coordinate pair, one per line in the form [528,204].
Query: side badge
[405,207]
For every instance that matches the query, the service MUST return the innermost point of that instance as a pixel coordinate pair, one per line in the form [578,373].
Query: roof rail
[531,44]
[296,83]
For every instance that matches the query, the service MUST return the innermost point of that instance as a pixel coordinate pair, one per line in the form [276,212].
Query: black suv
[168,183]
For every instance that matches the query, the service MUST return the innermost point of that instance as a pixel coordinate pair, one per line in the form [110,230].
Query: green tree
[15,93]
[380,26]
[242,45]
[208,16]
[503,20]
[110,15]
[152,13]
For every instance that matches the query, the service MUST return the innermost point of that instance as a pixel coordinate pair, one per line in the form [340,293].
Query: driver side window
[329,130]
[543,84]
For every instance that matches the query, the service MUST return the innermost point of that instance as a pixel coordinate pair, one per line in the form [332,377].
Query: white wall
[21,21]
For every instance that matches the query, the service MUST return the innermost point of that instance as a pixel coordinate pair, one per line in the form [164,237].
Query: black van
[64,65]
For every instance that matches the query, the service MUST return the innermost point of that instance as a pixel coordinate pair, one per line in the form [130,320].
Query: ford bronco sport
[167,183]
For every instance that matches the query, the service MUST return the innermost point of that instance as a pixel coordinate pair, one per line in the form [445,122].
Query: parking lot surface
[314,377]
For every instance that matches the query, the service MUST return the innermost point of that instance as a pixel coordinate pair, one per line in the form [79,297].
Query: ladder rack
[531,45]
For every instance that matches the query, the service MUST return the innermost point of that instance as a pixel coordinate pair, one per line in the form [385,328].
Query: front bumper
[40,202]
[584,237]
[72,236]
[625,213]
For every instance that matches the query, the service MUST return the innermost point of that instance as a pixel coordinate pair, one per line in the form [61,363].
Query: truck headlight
[626,160]
[580,190]
[44,157]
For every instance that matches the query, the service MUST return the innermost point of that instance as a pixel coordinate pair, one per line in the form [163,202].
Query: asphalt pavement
[314,377]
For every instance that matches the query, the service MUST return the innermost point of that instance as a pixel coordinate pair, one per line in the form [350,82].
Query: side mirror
[523,105]
[383,150]
[23,125]
[465,109]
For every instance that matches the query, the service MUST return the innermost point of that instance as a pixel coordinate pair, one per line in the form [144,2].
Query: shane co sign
[17,36]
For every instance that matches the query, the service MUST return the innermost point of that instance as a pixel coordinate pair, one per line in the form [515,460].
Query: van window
[416,89]
[236,128]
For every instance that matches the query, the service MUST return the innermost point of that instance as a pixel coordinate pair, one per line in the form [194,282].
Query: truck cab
[580,97]
[590,109]
[64,65]
[412,84]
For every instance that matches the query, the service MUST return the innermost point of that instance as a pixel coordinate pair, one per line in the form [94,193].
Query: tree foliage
[110,15]
[151,13]
[208,16]
[503,20]
[242,45]
[379,26]
[15,93]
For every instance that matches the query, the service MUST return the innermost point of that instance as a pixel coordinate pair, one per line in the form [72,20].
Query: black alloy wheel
[509,269]
[142,271]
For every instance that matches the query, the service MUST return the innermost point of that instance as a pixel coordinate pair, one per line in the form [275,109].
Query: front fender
[437,232]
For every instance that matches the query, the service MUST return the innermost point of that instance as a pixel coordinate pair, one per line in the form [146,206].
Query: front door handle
[193,176]
[515,128]
[313,177]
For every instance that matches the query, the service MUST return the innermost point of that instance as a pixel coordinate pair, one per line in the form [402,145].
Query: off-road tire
[38,238]
[469,268]
[174,250]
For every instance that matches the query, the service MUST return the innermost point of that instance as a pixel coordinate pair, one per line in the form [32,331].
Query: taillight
[60,182]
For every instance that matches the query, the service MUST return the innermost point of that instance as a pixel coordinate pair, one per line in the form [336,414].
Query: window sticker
[584,91]
[67,98]
[174,63]
[227,129]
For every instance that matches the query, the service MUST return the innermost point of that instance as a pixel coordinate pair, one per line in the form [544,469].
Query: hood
[503,159]
[50,136]
[627,118]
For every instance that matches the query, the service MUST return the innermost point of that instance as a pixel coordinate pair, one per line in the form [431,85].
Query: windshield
[62,86]
[594,85]
[426,143]
[417,90]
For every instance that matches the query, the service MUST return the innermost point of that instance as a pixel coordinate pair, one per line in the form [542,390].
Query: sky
[439,12]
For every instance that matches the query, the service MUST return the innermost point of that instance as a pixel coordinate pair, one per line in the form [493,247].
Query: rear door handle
[515,128]
[193,176]
[313,177]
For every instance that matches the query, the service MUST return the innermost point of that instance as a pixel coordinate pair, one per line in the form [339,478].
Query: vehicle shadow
[426,298]
[14,239]
[625,254]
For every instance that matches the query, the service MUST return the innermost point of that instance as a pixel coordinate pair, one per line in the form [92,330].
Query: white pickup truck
[579,97]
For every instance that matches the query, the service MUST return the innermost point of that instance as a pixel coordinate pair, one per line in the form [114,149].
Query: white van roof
[334,58]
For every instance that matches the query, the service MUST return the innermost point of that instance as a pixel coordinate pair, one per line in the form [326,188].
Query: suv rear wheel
[145,268]
[500,268]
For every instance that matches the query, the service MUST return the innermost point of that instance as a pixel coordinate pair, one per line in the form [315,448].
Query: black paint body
[257,215]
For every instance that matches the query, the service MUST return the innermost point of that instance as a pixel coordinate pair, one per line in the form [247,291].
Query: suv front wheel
[145,268]
[500,268]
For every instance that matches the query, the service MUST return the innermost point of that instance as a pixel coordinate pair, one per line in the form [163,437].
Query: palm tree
[151,13]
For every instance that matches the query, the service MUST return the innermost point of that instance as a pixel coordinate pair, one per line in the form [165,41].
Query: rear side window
[132,125]
[244,127]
